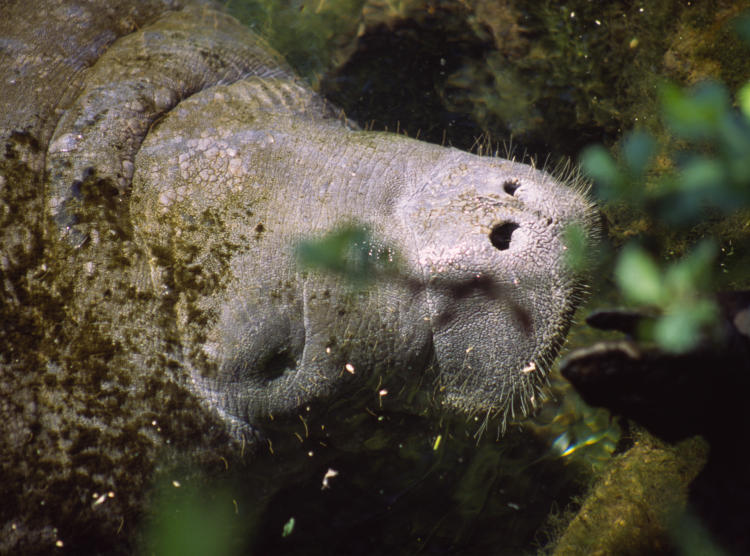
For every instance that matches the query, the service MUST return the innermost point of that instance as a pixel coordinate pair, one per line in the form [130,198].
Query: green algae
[631,507]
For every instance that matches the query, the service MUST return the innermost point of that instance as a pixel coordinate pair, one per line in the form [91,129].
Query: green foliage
[691,537]
[639,277]
[350,252]
[696,114]
[743,99]
[742,26]
[642,281]
[680,290]
[621,182]
[288,528]
[709,170]
[703,172]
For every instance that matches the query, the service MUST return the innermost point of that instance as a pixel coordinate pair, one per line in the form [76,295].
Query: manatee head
[472,317]
[489,240]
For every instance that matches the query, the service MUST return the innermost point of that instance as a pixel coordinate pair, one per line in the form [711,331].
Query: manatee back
[86,82]
[46,49]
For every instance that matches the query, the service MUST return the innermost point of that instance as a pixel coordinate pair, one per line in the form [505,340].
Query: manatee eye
[501,234]
[510,186]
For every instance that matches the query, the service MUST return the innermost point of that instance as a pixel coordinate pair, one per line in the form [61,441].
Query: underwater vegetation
[555,77]
[563,75]
[695,179]
[676,199]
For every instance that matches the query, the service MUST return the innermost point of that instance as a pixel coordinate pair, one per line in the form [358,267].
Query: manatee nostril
[501,234]
[510,186]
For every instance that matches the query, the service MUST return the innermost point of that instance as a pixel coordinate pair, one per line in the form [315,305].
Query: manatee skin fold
[223,160]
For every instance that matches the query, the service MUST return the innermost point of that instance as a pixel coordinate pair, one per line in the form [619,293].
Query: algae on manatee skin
[89,400]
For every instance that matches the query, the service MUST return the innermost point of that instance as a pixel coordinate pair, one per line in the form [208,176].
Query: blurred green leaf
[638,151]
[349,251]
[697,113]
[333,251]
[743,99]
[708,168]
[288,528]
[702,173]
[690,275]
[702,183]
[599,165]
[734,137]
[690,536]
[677,291]
[192,522]
[676,332]
[680,330]
[638,276]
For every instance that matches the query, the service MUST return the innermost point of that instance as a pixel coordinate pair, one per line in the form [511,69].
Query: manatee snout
[497,227]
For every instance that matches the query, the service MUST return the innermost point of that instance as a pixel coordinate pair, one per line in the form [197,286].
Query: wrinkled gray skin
[233,161]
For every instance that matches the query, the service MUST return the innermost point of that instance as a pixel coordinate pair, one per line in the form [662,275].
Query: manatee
[181,163]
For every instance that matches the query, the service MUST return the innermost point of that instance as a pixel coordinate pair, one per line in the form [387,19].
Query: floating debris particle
[329,475]
[530,368]
[436,444]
